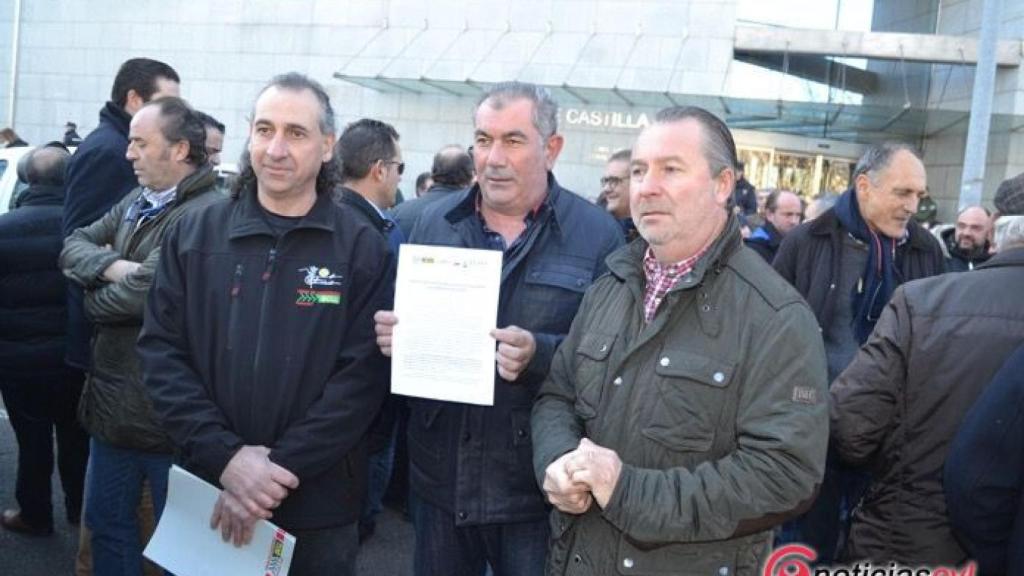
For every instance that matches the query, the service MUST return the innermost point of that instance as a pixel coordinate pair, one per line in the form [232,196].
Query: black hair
[209,121]
[179,122]
[362,144]
[453,166]
[139,74]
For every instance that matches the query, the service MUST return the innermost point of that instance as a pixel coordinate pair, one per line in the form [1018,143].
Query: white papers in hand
[185,545]
[446,301]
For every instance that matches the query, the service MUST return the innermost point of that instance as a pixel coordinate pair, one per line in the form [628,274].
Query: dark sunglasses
[401,165]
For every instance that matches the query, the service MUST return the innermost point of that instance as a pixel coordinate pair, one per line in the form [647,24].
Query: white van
[10,185]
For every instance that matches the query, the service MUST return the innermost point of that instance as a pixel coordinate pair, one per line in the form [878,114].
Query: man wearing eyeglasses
[847,263]
[615,189]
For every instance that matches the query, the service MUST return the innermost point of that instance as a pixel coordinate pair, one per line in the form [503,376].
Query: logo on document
[276,557]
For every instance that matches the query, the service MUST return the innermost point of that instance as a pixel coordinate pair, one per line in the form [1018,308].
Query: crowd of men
[683,378]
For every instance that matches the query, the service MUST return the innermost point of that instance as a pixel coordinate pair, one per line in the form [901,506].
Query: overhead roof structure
[632,71]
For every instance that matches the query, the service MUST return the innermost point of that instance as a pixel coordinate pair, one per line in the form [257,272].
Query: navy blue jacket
[765,241]
[32,295]
[408,212]
[97,177]
[477,461]
[984,477]
[253,339]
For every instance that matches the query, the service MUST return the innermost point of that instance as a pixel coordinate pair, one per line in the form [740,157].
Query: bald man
[967,243]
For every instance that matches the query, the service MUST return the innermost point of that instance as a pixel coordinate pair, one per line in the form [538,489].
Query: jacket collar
[42,195]
[190,185]
[356,200]
[556,200]
[1011,257]
[627,263]
[116,117]
[441,189]
[247,218]
[828,224]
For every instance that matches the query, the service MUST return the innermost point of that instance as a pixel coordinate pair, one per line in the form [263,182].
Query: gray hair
[719,147]
[1009,232]
[877,158]
[297,82]
[545,109]
[624,155]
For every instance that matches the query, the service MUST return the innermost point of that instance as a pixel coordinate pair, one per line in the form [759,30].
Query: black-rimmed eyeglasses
[612,181]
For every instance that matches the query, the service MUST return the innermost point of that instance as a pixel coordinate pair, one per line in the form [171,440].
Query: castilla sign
[603,119]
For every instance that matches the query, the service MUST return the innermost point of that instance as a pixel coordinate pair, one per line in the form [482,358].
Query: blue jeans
[826,525]
[113,488]
[442,549]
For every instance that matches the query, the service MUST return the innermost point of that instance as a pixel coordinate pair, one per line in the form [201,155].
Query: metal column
[976,151]
[12,95]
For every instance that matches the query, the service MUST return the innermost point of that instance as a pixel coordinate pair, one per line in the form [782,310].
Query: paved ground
[389,552]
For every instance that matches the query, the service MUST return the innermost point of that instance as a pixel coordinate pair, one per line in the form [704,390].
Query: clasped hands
[575,480]
[253,487]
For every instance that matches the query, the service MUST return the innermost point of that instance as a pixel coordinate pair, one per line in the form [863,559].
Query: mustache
[647,206]
[498,173]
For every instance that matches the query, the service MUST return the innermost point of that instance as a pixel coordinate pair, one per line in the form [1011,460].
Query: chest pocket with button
[692,391]
[592,356]
[552,294]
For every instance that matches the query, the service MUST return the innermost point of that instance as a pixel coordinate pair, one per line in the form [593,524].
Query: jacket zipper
[268,272]
[234,293]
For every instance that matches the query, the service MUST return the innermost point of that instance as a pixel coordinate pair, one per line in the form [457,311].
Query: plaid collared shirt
[662,277]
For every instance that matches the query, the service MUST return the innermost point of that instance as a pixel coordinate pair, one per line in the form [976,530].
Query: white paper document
[446,301]
[185,545]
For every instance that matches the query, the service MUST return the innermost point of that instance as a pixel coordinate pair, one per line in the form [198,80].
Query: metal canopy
[606,71]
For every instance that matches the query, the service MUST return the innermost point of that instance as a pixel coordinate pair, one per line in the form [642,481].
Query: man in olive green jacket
[685,414]
[114,260]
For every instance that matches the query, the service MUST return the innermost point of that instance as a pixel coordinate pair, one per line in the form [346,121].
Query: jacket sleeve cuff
[213,457]
[617,509]
[539,365]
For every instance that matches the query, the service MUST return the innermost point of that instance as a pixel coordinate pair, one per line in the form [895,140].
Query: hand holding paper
[384,325]
[516,348]
[183,544]
[443,348]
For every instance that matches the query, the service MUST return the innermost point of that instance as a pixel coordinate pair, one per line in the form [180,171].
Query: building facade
[800,119]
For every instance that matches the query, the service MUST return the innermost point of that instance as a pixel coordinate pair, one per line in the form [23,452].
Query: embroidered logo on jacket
[317,276]
[311,297]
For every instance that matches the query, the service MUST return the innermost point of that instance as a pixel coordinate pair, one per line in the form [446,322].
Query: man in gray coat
[114,260]
[685,414]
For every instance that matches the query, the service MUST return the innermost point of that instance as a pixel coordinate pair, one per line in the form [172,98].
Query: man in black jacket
[967,242]
[263,369]
[452,171]
[98,174]
[847,263]
[39,390]
[371,168]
